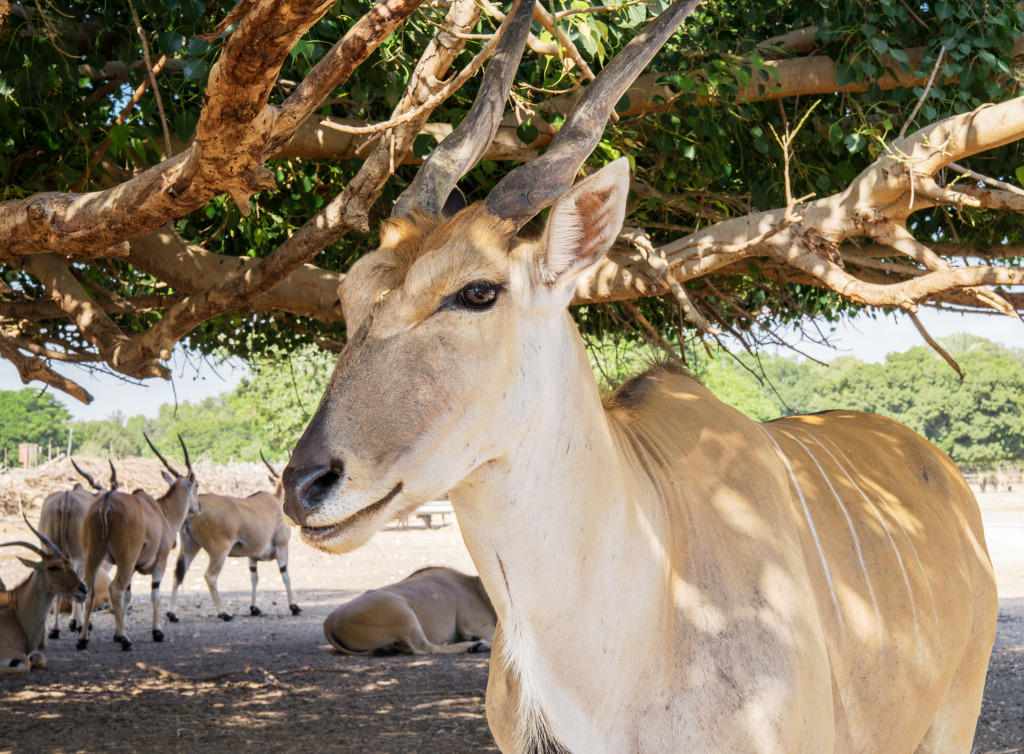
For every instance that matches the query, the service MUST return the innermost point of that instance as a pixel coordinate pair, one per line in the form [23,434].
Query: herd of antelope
[86,532]
[667,575]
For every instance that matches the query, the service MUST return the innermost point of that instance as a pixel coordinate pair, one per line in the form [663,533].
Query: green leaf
[195,68]
[1019,172]
[898,55]
[527,132]
[835,133]
[943,9]
[855,142]
[119,136]
[169,42]
[846,73]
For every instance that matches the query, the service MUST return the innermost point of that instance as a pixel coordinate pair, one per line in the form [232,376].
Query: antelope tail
[104,509]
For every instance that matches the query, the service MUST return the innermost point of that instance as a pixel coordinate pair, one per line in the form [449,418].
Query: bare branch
[935,345]
[34,368]
[92,322]
[151,71]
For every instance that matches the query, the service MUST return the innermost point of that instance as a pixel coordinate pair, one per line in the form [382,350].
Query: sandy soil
[299,695]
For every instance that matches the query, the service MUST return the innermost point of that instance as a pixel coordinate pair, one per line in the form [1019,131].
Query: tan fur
[433,611]
[60,520]
[250,527]
[24,608]
[668,575]
[136,533]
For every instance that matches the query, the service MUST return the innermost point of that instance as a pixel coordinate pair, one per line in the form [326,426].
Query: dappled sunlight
[841,526]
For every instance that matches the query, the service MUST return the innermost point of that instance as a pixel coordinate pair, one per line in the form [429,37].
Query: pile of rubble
[31,486]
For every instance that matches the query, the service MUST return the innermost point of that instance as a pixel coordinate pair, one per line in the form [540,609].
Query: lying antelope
[24,608]
[60,519]
[816,583]
[136,533]
[433,611]
[232,527]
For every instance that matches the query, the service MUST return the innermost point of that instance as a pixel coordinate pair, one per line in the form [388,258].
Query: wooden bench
[427,511]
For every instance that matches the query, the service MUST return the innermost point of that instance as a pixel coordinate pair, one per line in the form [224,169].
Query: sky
[195,378]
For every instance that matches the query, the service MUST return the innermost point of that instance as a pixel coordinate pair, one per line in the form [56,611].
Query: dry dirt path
[300,696]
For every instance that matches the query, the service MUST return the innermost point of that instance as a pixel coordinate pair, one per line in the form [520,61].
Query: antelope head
[185,484]
[450,318]
[54,568]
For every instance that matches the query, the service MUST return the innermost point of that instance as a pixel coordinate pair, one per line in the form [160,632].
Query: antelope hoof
[82,644]
[226,617]
[479,647]
[158,635]
[73,626]
[55,633]
[172,617]
[126,646]
[253,610]
[296,610]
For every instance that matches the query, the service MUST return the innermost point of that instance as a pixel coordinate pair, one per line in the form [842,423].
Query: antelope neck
[548,522]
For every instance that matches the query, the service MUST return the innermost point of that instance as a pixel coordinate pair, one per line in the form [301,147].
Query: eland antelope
[668,575]
[60,520]
[432,611]
[24,608]
[136,533]
[231,527]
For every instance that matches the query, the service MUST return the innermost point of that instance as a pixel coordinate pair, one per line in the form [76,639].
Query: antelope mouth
[320,534]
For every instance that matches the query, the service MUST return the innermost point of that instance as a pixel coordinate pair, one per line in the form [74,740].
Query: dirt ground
[299,695]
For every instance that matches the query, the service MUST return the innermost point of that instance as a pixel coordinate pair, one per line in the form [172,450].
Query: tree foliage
[30,416]
[224,213]
[978,421]
[282,395]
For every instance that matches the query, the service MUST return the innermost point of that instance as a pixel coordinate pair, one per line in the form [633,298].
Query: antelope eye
[479,295]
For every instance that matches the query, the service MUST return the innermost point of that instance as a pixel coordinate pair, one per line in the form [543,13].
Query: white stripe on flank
[913,549]
[810,522]
[881,521]
[853,533]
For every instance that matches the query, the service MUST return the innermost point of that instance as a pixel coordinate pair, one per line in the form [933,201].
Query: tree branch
[34,368]
[231,141]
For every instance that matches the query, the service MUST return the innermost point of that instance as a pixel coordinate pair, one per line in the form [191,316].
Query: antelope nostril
[320,488]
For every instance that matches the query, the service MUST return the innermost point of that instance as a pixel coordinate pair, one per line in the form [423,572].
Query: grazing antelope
[232,527]
[60,519]
[24,608]
[136,533]
[433,611]
[668,574]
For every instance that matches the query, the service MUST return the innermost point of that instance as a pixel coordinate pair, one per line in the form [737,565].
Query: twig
[924,94]
[595,9]
[178,678]
[431,102]
[152,77]
[985,179]
[661,267]
[934,344]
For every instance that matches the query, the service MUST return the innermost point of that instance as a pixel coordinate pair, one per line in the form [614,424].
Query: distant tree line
[979,421]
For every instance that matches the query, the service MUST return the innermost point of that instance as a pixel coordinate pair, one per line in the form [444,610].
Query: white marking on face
[810,523]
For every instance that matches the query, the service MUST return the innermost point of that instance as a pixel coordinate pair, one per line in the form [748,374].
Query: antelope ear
[167,477]
[584,222]
[35,565]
